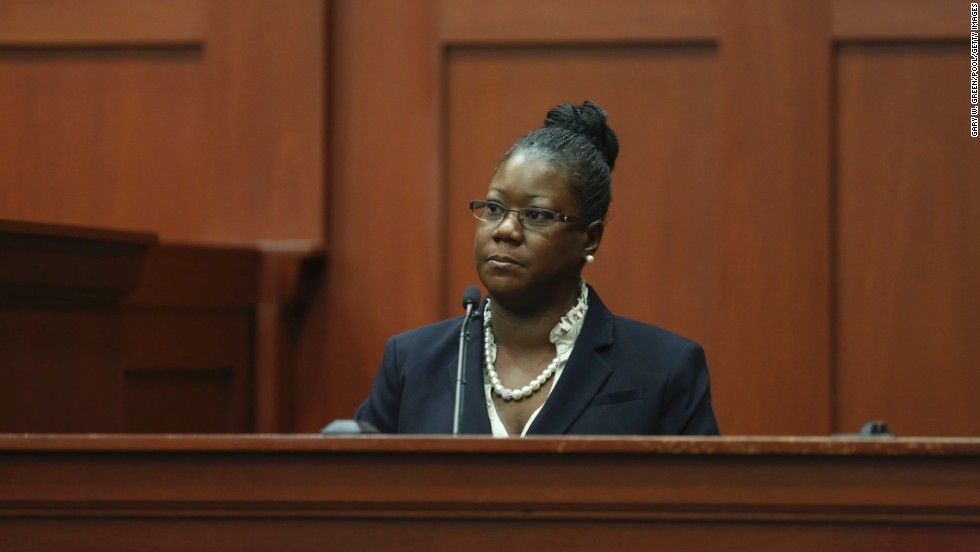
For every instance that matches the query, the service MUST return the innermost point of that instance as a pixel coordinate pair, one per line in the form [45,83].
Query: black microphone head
[471,296]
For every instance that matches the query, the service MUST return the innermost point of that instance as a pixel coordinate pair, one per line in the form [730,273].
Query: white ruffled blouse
[563,336]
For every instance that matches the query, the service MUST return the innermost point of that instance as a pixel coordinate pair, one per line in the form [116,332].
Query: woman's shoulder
[430,333]
[643,333]
[640,346]
[428,347]
[635,328]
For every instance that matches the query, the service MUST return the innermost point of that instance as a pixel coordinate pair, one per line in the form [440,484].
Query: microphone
[470,298]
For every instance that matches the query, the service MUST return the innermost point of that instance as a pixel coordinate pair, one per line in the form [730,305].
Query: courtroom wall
[796,188]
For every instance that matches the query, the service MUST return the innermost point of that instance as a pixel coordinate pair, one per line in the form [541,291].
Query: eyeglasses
[531,217]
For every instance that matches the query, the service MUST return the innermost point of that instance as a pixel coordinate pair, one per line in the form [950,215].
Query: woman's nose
[509,226]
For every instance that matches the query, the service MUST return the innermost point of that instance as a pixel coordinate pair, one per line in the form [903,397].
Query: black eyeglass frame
[521,213]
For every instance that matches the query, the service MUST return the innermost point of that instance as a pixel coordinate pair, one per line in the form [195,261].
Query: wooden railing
[279,492]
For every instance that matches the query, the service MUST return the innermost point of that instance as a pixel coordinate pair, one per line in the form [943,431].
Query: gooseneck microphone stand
[470,298]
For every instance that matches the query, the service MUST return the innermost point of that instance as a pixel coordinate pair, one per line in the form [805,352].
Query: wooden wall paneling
[82,126]
[774,354]
[385,273]
[201,121]
[101,133]
[265,87]
[46,23]
[909,240]
[901,20]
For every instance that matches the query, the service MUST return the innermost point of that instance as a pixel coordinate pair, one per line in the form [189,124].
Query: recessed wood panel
[908,240]
[899,20]
[266,89]
[657,260]
[106,137]
[577,21]
[60,370]
[187,371]
[201,121]
[179,401]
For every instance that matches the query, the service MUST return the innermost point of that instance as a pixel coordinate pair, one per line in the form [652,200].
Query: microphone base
[348,427]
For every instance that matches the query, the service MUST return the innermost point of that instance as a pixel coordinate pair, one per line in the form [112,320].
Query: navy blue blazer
[623,378]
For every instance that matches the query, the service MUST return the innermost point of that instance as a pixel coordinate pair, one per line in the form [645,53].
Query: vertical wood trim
[383,275]
[269,359]
[285,326]
[774,334]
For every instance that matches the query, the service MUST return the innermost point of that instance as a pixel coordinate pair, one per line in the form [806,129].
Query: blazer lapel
[474,419]
[582,376]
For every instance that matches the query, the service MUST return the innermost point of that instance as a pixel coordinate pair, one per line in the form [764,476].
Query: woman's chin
[503,286]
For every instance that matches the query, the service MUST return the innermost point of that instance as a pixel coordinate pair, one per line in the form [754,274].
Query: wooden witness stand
[280,492]
[104,331]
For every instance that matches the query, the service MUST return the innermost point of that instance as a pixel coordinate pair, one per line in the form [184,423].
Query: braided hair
[576,140]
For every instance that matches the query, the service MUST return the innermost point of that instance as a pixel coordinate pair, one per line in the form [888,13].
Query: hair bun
[588,120]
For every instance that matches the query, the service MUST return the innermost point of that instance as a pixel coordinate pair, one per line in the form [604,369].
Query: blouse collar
[566,331]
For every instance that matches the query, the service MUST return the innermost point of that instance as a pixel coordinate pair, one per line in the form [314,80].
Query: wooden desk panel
[61,290]
[391,493]
[105,331]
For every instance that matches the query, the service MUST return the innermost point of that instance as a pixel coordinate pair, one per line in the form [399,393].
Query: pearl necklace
[490,345]
[513,394]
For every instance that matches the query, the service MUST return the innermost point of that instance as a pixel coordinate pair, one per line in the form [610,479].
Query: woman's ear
[593,236]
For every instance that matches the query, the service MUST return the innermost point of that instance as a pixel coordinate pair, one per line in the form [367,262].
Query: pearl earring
[589,259]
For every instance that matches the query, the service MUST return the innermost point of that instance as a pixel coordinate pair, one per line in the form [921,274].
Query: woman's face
[536,268]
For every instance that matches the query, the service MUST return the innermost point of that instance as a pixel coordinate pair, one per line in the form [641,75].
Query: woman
[553,359]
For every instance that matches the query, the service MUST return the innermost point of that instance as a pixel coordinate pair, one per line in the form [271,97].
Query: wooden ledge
[46,263]
[717,446]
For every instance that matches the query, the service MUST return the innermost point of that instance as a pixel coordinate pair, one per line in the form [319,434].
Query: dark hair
[577,140]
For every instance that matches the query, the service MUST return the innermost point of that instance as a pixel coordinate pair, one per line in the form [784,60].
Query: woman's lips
[502,261]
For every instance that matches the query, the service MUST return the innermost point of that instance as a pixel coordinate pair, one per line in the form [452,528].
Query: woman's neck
[528,329]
